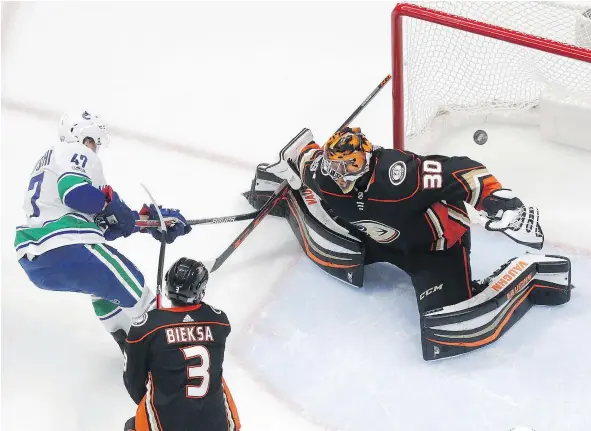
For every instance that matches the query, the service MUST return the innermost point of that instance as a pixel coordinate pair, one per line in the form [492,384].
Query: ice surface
[352,358]
[235,81]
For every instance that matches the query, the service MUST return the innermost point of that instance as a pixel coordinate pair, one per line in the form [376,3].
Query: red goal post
[471,53]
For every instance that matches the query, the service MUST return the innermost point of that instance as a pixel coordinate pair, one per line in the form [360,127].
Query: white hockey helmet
[78,127]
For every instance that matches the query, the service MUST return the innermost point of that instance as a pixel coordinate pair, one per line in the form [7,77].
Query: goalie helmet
[346,157]
[76,128]
[186,280]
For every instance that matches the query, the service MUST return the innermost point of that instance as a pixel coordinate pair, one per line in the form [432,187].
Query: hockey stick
[283,188]
[249,216]
[212,220]
[216,220]
[162,227]
[364,103]
[261,213]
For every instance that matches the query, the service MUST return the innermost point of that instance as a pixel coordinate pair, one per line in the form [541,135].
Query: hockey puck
[480,137]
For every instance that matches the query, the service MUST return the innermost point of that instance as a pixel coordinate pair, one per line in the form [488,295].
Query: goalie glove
[507,214]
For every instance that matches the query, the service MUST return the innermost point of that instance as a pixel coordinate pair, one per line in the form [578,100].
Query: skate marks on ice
[351,360]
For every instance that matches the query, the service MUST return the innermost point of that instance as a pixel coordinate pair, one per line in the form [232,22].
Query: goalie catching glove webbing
[506,213]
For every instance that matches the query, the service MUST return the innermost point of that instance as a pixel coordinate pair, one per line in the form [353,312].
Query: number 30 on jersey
[432,178]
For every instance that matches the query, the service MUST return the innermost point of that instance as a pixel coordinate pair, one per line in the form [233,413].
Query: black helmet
[186,280]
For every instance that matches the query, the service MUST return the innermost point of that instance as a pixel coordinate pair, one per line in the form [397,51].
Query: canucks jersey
[50,222]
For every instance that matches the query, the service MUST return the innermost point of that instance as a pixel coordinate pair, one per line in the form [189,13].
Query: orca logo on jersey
[140,320]
[397,173]
[377,231]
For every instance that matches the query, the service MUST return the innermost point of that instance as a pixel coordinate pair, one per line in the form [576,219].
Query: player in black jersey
[174,358]
[413,211]
[410,207]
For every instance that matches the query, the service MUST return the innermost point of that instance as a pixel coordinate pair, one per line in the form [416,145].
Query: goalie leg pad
[481,320]
[553,282]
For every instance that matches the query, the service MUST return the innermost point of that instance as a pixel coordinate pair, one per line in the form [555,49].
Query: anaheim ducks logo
[377,231]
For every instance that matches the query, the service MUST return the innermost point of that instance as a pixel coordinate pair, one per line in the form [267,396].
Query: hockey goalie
[352,203]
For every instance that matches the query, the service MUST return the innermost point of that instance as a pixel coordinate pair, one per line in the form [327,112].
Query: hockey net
[460,61]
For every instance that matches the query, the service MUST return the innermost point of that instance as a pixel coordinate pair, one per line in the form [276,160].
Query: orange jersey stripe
[311,146]
[232,404]
[466,267]
[141,417]
[490,185]
[152,402]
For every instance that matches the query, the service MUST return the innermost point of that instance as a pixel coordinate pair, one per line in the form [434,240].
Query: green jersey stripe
[125,268]
[117,266]
[119,275]
[102,307]
[66,224]
[69,182]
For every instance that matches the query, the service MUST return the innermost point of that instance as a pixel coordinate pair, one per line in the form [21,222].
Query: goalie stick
[365,102]
[283,188]
[265,209]
[249,216]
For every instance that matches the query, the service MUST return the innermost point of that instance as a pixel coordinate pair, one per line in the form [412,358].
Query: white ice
[198,94]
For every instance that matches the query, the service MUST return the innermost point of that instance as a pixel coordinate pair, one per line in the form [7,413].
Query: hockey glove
[173,231]
[506,213]
[117,218]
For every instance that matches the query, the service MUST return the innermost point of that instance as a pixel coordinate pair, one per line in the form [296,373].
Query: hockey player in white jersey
[71,213]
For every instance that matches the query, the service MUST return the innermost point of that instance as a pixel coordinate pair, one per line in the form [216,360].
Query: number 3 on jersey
[197,371]
[35,184]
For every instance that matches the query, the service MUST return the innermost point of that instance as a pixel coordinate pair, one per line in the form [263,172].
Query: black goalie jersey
[406,202]
[173,370]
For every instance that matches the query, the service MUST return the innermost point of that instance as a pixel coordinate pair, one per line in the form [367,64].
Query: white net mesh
[449,71]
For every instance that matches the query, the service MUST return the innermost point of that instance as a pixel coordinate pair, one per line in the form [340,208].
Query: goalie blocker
[449,331]
[329,245]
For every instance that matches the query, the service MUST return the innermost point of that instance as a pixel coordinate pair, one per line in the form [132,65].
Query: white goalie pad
[528,280]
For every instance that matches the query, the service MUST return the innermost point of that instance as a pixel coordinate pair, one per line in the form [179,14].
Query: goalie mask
[346,157]
[185,281]
[77,128]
